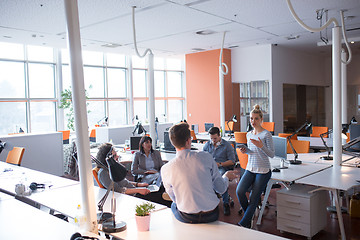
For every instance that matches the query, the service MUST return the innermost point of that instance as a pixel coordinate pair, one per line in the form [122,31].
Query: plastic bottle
[80,219]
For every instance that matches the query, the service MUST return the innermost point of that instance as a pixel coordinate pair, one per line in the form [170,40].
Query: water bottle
[80,219]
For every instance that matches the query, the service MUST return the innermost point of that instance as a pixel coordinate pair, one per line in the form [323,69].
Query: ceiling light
[234,46]
[205,32]
[292,37]
[7,36]
[111,45]
[352,42]
[197,49]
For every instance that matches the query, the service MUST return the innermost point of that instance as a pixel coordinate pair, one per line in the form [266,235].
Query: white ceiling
[168,26]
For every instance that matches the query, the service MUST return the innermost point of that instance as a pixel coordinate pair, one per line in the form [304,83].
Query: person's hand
[231,175]
[150,172]
[143,191]
[257,143]
[242,150]
[143,184]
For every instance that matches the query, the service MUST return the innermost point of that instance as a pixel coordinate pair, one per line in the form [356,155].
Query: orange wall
[202,88]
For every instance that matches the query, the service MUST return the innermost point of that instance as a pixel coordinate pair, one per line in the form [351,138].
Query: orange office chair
[66,136]
[15,156]
[243,158]
[93,135]
[299,146]
[270,126]
[285,135]
[348,137]
[316,131]
[240,137]
[95,171]
[193,136]
[229,126]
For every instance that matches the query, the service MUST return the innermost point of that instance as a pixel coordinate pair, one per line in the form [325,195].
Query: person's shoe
[226,209]
[231,202]
[166,196]
[240,211]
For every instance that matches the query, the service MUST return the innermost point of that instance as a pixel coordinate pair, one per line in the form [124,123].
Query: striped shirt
[258,161]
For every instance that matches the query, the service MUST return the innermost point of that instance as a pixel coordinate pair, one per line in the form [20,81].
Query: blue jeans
[258,182]
[207,217]
[225,195]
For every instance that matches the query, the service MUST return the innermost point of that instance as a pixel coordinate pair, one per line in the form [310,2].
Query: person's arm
[220,184]
[268,145]
[168,187]
[142,191]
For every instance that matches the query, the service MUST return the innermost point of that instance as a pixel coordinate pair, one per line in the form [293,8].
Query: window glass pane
[173,64]
[174,84]
[92,58]
[115,60]
[117,113]
[97,112]
[138,62]
[160,110]
[11,51]
[65,56]
[159,63]
[159,83]
[12,80]
[175,111]
[38,53]
[66,77]
[41,80]
[12,117]
[139,83]
[140,110]
[94,81]
[116,82]
[42,116]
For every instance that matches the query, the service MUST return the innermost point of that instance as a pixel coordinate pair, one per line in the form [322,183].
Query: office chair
[316,131]
[66,136]
[92,137]
[15,156]
[95,171]
[299,146]
[270,126]
[193,136]
[285,135]
[240,137]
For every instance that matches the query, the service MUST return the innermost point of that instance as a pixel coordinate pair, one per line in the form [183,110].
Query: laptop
[155,187]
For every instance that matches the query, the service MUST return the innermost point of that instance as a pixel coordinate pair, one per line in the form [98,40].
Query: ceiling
[168,27]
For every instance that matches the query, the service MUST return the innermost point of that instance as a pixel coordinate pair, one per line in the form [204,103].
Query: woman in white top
[258,170]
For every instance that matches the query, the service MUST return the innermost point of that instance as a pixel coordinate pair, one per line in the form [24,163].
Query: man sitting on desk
[224,156]
[192,179]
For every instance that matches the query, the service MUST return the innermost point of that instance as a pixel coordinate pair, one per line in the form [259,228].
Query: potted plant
[142,215]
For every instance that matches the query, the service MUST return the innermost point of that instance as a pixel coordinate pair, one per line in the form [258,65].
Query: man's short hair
[179,134]
[214,130]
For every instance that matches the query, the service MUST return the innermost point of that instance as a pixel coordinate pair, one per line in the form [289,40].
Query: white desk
[353,162]
[20,221]
[69,197]
[291,174]
[163,225]
[10,175]
[335,179]
[315,157]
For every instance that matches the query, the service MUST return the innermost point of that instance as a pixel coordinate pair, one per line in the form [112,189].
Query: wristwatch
[220,164]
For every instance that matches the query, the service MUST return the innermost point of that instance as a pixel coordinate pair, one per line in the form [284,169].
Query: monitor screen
[208,126]
[280,146]
[134,142]
[354,130]
[167,144]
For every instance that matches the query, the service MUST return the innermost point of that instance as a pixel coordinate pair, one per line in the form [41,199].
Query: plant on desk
[143,215]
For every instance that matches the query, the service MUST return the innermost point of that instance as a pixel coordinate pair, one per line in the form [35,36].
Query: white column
[131,92]
[336,66]
[151,95]
[81,125]
[222,100]
[344,88]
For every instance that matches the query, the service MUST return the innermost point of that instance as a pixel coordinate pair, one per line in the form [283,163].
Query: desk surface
[20,221]
[341,177]
[163,225]
[71,196]
[315,157]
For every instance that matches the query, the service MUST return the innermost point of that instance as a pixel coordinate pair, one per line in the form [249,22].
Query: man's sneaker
[226,209]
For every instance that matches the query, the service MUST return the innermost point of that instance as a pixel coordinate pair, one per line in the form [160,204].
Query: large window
[31,86]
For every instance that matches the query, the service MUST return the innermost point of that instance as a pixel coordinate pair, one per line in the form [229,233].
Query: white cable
[307,27]
[134,35]
[345,39]
[221,64]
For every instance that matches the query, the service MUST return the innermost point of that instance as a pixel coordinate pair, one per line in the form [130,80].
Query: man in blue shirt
[192,180]
[224,156]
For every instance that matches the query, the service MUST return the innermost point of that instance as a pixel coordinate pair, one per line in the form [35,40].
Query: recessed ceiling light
[352,42]
[234,46]
[7,36]
[205,32]
[111,45]
[292,37]
[197,49]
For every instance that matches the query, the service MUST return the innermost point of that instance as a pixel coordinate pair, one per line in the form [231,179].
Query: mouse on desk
[276,170]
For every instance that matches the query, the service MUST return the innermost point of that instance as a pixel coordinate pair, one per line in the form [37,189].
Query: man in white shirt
[192,180]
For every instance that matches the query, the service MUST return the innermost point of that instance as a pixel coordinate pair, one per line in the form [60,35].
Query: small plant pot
[143,223]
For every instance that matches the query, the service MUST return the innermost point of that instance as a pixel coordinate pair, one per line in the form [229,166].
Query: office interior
[271,61]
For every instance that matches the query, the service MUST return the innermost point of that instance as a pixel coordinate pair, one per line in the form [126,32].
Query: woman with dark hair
[147,162]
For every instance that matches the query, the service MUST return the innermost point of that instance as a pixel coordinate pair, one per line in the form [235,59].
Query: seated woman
[147,162]
[125,186]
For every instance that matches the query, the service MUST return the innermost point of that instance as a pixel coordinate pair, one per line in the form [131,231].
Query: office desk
[315,157]
[20,221]
[353,162]
[291,174]
[67,199]
[335,179]
[163,225]
[10,175]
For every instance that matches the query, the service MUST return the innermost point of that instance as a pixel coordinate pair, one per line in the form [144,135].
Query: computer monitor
[195,127]
[134,142]
[354,130]
[208,126]
[280,146]
[167,144]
